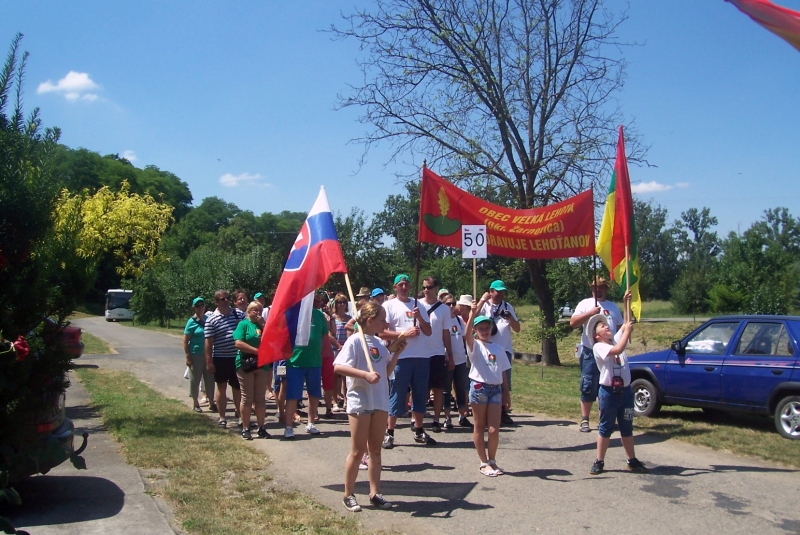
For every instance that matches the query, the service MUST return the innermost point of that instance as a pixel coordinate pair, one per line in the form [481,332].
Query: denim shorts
[590,375]
[483,394]
[615,409]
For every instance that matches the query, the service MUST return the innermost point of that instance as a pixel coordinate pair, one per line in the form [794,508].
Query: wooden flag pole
[627,284]
[474,278]
[594,282]
[363,336]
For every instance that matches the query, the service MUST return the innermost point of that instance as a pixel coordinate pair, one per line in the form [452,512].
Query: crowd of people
[391,356]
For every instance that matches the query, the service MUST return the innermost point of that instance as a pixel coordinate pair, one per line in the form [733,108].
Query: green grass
[175,327]
[93,345]
[213,482]
[553,390]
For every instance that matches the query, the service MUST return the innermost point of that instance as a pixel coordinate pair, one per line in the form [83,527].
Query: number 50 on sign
[473,241]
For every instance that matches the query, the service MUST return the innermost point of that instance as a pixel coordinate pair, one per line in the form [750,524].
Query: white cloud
[74,86]
[233,181]
[655,187]
[129,155]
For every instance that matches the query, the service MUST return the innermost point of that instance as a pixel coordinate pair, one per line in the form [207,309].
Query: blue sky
[238,98]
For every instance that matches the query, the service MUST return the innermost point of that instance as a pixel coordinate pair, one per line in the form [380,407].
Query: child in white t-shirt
[615,397]
[488,390]
[367,400]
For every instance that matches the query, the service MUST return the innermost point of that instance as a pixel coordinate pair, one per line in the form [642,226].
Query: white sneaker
[288,433]
[312,429]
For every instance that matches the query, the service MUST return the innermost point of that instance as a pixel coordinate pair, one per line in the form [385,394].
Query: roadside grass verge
[93,345]
[175,328]
[553,390]
[213,482]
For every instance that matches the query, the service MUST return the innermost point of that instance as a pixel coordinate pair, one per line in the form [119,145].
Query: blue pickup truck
[730,363]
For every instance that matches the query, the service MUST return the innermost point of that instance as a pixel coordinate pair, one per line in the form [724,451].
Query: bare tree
[518,93]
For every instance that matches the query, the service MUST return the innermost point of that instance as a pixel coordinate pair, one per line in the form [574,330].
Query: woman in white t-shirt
[367,401]
[488,390]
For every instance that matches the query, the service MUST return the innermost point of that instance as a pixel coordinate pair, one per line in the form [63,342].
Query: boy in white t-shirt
[615,397]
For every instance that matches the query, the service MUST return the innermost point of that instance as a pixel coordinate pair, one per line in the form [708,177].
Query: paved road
[546,489]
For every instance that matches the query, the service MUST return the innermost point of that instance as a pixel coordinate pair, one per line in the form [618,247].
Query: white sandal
[491,472]
[499,471]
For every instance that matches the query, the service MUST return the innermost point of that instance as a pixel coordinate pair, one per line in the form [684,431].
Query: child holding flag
[367,400]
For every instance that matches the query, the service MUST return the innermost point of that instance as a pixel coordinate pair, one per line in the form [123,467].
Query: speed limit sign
[473,241]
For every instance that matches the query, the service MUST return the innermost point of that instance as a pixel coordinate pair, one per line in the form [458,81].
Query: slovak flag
[316,254]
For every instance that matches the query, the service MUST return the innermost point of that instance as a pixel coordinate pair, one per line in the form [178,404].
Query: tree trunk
[538,272]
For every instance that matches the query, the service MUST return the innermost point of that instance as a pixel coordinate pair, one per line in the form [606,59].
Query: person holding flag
[315,255]
[616,247]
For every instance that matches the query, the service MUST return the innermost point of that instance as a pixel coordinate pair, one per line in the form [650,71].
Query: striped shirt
[221,328]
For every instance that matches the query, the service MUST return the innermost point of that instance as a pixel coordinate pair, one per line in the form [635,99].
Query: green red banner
[561,230]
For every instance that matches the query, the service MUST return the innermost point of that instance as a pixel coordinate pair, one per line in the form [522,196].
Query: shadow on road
[452,497]
[49,500]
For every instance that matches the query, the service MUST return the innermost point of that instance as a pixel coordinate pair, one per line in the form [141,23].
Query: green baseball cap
[198,300]
[259,294]
[498,285]
[402,277]
[481,319]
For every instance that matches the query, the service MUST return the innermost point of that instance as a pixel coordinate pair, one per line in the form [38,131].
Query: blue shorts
[483,394]
[615,409]
[295,377]
[412,372]
[590,375]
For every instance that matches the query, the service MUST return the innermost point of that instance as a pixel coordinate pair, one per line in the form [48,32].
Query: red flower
[22,348]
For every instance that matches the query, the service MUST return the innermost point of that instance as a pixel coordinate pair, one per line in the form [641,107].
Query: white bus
[118,305]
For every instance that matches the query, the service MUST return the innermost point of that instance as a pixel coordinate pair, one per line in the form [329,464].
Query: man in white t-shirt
[405,317]
[590,374]
[438,345]
[505,318]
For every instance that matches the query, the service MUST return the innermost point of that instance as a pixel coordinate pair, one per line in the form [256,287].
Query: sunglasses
[450,304]
[428,287]
[222,299]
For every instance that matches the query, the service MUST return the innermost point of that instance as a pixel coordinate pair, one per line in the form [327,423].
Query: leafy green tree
[658,255]
[84,169]
[34,282]
[517,94]
[369,262]
[759,271]
[698,247]
[199,227]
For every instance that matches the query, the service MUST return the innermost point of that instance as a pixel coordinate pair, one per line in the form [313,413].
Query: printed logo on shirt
[258,332]
[492,358]
[409,314]
[606,312]
[374,354]
[454,329]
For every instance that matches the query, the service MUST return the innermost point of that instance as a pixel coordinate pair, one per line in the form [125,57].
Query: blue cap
[481,319]
[376,292]
[198,300]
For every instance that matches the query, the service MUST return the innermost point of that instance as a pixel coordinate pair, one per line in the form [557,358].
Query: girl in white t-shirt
[367,401]
[488,390]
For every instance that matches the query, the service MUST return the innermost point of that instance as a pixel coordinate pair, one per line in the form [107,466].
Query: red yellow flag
[783,22]
[618,231]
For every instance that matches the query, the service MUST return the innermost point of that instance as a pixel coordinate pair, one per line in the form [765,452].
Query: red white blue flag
[316,254]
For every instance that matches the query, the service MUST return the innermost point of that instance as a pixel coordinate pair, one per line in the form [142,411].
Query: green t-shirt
[197,340]
[249,333]
[310,356]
